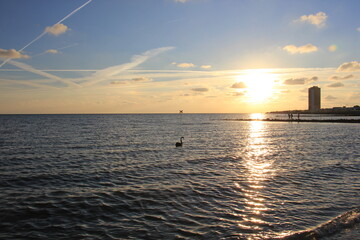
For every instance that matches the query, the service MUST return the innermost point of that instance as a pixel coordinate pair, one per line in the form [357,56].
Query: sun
[259,84]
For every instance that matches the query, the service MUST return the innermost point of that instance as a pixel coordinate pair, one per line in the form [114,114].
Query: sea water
[121,177]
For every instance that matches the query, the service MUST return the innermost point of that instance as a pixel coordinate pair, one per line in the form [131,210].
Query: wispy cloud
[200,89]
[341,78]
[335,85]
[184,65]
[117,83]
[141,79]
[330,98]
[205,66]
[182,1]
[239,85]
[318,19]
[52,51]
[353,66]
[12,53]
[300,81]
[332,48]
[308,48]
[55,51]
[56,29]
[108,73]
[358,29]
[238,94]
[295,81]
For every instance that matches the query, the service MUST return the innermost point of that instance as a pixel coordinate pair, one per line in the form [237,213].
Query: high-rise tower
[314,99]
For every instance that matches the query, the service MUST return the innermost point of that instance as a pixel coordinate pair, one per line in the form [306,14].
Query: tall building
[314,99]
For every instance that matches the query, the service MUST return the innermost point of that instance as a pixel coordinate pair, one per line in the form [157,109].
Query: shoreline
[296,120]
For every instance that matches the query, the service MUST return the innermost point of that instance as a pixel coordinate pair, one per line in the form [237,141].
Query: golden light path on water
[258,169]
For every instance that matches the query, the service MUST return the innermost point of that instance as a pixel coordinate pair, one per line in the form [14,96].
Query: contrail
[42,73]
[73,12]
[28,83]
[44,32]
[105,74]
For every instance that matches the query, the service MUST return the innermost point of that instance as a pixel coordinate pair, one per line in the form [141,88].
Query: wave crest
[344,221]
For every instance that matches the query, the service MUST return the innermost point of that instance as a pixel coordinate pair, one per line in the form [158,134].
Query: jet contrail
[73,12]
[105,74]
[28,83]
[42,73]
[44,32]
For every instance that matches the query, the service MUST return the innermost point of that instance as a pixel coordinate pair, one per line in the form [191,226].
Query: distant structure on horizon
[314,99]
[315,106]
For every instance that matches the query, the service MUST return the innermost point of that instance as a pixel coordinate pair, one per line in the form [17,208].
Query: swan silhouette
[179,144]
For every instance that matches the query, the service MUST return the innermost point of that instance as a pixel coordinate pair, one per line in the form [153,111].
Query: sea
[120,176]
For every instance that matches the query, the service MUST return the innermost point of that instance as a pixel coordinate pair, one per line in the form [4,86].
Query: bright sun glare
[259,84]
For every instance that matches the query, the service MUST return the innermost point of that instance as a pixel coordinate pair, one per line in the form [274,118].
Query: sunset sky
[159,56]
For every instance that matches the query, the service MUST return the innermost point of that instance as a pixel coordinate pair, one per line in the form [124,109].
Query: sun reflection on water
[258,168]
[257,116]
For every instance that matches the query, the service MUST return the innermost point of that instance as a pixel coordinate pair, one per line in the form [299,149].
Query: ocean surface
[121,177]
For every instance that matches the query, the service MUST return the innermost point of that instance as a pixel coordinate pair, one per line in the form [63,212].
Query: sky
[160,56]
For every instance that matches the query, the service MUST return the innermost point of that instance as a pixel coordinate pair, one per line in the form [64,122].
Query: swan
[179,144]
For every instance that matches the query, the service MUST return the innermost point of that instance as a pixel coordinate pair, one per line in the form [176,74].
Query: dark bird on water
[179,144]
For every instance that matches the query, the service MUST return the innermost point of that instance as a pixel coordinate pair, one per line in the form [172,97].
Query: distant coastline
[297,120]
[339,111]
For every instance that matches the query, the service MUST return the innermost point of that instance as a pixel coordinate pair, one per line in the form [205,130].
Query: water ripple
[120,177]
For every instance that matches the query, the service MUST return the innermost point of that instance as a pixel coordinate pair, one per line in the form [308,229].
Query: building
[314,99]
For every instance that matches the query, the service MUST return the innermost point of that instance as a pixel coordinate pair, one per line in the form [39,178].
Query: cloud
[200,89]
[300,81]
[182,1]
[184,65]
[330,98]
[238,85]
[12,53]
[336,85]
[341,78]
[238,94]
[141,79]
[317,19]
[308,48]
[52,51]
[295,81]
[206,66]
[313,79]
[117,82]
[332,48]
[349,67]
[358,29]
[57,29]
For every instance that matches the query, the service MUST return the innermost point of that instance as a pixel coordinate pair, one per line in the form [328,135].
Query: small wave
[336,225]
